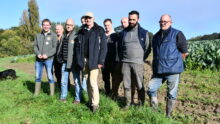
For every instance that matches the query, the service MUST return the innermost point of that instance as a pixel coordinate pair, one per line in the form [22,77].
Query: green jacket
[45,44]
[71,43]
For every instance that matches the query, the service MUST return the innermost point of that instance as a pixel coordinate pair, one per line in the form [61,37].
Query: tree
[11,44]
[25,27]
[33,15]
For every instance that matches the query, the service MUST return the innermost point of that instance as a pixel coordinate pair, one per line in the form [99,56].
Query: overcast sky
[193,17]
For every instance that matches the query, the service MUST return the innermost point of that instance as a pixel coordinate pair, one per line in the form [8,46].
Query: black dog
[9,73]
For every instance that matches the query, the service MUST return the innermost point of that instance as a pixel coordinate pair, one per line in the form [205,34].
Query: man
[57,65]
[135,48]
[83,21]
[91,48]
[65,56]
[124,22]
[112,67]
[169,50]
[44,48]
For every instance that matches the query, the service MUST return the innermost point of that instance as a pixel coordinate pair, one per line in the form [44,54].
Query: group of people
[119,55]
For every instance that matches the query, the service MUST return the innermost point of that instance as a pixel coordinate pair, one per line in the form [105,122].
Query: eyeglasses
[165,22]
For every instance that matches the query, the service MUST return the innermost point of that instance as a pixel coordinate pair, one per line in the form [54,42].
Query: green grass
[18,105]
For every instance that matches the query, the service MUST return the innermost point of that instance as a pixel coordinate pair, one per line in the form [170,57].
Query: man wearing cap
[91,49]
[135,48]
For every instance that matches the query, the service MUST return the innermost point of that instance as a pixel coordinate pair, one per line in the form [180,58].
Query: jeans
[76,78]
[172,85]
[79,87]
[39,65]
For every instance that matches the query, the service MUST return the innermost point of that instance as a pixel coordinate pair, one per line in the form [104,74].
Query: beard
[132,25]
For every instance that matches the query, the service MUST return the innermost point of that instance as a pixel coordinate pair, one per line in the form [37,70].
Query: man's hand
[44,56]
[184,55]
[39,56]
[100,66]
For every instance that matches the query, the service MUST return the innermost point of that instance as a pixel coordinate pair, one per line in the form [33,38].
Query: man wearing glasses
[169,50]
[65,56]
[91,49]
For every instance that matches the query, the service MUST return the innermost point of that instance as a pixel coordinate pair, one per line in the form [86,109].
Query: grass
[19,106]
[198,89]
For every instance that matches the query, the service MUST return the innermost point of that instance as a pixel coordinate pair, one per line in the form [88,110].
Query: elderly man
[91,49]
[169,50]
[124,22]
[135,48]
[57,65]
[45,45]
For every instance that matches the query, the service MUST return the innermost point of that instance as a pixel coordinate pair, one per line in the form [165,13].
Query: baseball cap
[89,14]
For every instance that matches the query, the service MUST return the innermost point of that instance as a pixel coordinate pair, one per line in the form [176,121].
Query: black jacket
[97,47]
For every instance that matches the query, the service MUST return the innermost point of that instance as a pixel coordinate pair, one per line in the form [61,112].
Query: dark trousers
[112,71]
[58,72]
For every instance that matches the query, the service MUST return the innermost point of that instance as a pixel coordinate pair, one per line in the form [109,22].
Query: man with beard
[135,48]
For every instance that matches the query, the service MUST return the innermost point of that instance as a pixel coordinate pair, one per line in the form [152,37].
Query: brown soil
[202,113]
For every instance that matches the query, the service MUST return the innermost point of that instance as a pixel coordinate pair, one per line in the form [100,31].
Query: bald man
[124,22]
[65,56]
[169,50]
[57,65]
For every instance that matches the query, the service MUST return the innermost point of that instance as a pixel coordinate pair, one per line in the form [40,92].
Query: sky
[192,17]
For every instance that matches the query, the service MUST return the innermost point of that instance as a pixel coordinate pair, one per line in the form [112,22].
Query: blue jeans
[76,78]
[172,85]
[79,87]
[39,65]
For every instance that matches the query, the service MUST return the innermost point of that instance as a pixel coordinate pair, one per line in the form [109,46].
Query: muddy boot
[37,88]
[169,107]
[127,99]
[141,96]
[154,102]
[52,89]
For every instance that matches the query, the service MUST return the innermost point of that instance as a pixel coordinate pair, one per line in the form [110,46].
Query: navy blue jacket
[97,47]
[167,59]
[142,38]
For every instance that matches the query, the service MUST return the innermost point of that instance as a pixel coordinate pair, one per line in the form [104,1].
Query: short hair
[134,12]
[83,17]
[46,20]
[106,20]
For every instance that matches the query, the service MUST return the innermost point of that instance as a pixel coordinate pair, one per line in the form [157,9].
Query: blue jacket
[142,33]
[167,59]
[97,47]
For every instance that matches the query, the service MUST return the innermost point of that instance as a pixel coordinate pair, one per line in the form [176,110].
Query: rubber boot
[127,99]
[52,89]
[37,88]
[154,102]
[141,96]
[169,107]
